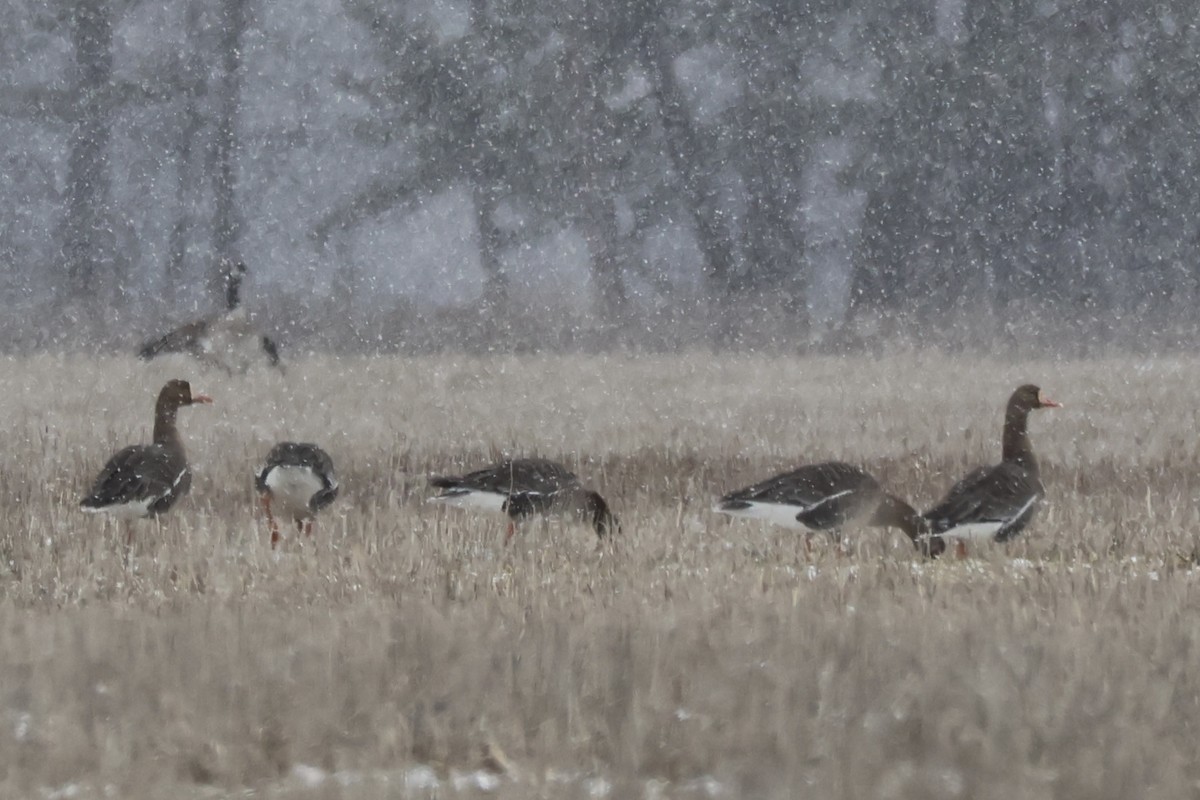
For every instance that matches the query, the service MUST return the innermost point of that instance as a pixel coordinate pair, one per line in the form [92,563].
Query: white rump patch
[473,499]
[138,509]
[973,531]
[776,513]
[987,530]
[293,487]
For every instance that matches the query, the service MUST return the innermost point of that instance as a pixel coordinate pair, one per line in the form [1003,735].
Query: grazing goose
[299,478]
[995,502]
[522,487]
[145,480]
[228,340]
[822,497]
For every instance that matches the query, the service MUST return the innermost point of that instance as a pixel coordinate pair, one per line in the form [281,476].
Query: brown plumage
[145,480]
[299,478]
[522,487]
[995,502]
[822,497]
[228,340]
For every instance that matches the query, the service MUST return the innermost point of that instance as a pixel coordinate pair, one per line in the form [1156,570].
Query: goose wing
[184,339]
[826,495]
[303,455]
[536,475]
[1003,497]
[140,474]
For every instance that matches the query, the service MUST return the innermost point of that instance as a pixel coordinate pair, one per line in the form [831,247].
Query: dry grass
[406,653]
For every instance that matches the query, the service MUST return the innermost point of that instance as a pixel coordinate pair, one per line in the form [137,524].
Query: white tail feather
[775,513]
[472,499]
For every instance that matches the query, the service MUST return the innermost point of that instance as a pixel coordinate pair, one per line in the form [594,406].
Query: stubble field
[403,652]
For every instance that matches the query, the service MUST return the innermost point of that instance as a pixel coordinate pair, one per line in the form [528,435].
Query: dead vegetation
[405,653]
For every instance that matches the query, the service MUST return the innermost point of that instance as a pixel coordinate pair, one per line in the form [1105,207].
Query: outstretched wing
[184,339]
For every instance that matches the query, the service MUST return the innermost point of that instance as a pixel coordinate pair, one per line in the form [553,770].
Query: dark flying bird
[228,340]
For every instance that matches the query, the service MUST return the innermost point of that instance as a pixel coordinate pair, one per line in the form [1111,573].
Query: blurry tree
[695,166]
[92,247]
[909,251]
[189,120]
[518,107]
[991,162]
[226,216]
[439,98]
[743,98]
[88,243]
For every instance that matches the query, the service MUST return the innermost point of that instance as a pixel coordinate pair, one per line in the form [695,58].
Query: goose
[522,487]
[995,502]
[145,480]
[228,340]
[822,497]
[298,478]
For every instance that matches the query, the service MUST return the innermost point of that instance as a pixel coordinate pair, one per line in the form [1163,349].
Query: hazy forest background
[593,173]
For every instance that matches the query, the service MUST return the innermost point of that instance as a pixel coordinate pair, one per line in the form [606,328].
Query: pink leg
[265,499]
[510,532]
[960,549]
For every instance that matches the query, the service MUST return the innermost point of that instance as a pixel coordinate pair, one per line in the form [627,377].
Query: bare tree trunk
[191,123]
[88,242]
[687,157]
[495,282]
[604,246]
[343,330]
[226,219]
[596,178]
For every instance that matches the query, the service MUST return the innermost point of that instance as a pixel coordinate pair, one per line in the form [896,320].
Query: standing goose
[822,497]
[144,480]
[995,502]
[228,340]
[522,487]
[299,478]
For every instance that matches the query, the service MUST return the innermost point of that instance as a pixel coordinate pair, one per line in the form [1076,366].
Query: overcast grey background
[470,173]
